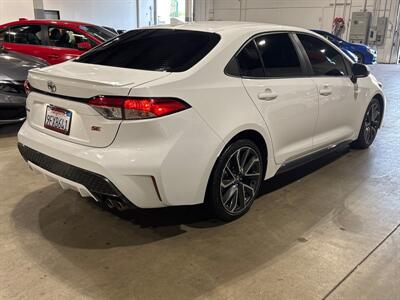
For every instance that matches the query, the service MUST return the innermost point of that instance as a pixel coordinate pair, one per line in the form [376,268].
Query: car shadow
[105,256]
[133,227]
[287,178]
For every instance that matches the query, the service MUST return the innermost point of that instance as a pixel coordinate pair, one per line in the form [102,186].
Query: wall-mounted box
[359,30]
[381,31]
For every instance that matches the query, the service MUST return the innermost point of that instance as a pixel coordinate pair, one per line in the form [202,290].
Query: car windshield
[98,32]
[169,50]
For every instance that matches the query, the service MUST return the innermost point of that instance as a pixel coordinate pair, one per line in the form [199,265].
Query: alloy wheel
[240,179]
[371,122]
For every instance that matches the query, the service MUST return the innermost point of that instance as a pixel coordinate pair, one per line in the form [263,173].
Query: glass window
[2,34]
[98,32]
[325,60]
[65,38]
[249,61]
[170,50]
[279,55]
[25,34]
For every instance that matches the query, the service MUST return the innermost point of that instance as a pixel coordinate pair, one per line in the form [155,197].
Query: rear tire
[370,125]
[235,180]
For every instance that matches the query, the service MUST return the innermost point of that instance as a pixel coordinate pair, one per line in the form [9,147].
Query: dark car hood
[15,66]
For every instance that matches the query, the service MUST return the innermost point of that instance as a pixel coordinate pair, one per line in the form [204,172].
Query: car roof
[46,22]
[222,27]
[323,32]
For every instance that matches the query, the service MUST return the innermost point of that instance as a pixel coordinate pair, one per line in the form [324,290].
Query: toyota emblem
[51,86]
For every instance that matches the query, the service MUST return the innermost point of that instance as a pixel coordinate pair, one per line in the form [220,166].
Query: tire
[235,180]
[360,57]
[370,125]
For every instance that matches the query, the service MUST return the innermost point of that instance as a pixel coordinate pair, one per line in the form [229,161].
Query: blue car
[365,54]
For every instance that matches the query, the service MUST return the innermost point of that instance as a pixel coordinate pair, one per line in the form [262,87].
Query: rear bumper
[82,168]
[87,183]
[151,164]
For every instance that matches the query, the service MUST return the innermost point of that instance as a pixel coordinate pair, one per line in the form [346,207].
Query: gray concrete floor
[326,231]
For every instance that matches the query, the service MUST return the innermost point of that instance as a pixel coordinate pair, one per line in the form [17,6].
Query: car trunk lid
[58,105]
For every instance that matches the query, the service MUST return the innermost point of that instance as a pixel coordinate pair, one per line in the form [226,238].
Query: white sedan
[193,113]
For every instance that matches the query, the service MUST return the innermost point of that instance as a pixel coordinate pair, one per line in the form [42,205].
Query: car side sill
[313,156]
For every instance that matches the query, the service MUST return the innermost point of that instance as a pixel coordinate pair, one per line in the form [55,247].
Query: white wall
[12,10]
[120,14]
[315,14]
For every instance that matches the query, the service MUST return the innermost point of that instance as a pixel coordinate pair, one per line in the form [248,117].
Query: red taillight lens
[27,87]
[136,108]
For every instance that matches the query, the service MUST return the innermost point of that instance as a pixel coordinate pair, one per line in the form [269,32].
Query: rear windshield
[154,50]
[98,32]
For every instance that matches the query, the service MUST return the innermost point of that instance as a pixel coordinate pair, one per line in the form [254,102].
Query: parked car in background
[116,31]
[351,55]
[53,41]
[143,121]
[364,53]
[14,69]
[113,30]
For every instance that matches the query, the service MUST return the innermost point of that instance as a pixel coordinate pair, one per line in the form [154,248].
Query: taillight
[120,108]
[27,87]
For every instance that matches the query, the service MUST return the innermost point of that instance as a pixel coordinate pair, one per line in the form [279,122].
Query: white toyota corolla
[193,113]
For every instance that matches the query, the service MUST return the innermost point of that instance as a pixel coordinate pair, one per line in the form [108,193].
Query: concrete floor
[329,230]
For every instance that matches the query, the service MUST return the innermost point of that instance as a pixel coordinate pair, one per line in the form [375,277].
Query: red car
[53,41]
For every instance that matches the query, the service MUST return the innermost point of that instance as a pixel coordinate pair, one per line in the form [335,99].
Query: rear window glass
[154,50]
[98,32]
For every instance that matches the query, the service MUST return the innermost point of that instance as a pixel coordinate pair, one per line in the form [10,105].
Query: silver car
[14,69]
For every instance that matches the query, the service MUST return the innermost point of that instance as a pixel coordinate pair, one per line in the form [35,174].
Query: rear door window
[279,56]
[170,50]
[25,34]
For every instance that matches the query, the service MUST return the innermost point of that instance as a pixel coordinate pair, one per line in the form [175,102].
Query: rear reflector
[120,108]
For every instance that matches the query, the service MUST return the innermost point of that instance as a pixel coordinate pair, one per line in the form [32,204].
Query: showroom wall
[120,14]
[12,10]
[316,14]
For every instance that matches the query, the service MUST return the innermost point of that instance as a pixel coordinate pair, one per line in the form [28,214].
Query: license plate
[58,119]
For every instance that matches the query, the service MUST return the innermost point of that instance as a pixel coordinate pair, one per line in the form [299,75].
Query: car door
[63,44]
[27,39]
[337,92]
[274,76]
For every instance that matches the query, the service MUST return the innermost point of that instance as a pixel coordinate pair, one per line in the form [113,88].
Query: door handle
[53,56]
[267,95]
[326,90]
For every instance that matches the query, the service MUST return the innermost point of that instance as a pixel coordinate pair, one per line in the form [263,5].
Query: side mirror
[359,71]
[84,46]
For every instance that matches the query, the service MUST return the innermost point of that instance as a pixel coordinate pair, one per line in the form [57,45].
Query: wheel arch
[260,136]
[246,133]
[256,138]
